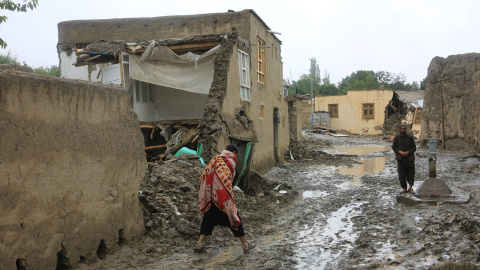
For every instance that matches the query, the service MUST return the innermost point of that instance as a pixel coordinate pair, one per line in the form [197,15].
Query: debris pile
[169,198]
[324,130]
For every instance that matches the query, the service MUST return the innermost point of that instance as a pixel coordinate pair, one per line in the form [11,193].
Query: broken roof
[109,51]
[412,98]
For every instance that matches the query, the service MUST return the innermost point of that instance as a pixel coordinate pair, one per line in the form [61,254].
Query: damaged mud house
[219,72]
[74,153]
[370,111]
[196,81]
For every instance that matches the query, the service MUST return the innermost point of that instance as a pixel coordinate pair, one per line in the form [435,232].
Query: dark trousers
[215,217]
[406,173]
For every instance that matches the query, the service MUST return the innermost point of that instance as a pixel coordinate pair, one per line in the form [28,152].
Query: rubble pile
[169,198]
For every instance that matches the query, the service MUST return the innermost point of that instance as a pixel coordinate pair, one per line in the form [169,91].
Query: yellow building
[358,112]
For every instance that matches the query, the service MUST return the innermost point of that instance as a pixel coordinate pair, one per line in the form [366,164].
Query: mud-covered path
[345,216]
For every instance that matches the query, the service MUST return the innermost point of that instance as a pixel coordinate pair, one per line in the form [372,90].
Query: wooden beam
[146,126]
[155,147]
[204,46]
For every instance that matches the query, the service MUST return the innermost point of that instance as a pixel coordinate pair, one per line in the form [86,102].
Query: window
[333,110]
[368,111]
[243,69]
[261,61]
[262,111]
[144,92]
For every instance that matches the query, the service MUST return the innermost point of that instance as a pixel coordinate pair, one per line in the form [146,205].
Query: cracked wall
[71,163]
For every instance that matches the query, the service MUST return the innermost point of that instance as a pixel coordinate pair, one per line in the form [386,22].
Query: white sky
[343,35]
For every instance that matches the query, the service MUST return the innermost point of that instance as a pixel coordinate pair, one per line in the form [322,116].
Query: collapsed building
[452,97]
[199,81]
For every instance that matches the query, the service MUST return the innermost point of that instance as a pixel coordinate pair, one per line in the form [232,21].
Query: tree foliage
[8,59]
[12,6]
[47,71]
[361,79]
[321,86]
[367,79]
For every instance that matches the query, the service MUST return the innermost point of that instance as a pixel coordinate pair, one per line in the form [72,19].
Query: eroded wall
[71,163]
[452,94]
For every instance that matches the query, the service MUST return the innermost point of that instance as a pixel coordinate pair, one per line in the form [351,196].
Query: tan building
[358,112]
[221,71]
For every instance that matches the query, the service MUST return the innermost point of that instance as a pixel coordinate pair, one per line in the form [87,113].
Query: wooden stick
[151,134]
[155,147]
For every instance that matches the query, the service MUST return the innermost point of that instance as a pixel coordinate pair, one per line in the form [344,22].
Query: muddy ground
[335,206]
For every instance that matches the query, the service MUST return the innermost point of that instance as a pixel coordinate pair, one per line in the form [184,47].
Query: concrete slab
[457,196]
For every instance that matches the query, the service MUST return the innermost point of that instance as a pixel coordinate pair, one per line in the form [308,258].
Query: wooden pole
[155,147]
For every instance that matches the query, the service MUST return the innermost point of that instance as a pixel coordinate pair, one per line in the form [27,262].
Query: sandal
[247,250]
[403,191]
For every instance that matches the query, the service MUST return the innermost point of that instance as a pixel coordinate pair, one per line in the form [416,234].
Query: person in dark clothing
[404,148]
[216,199]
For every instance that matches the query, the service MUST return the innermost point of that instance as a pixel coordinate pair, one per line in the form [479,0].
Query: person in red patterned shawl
[216,198]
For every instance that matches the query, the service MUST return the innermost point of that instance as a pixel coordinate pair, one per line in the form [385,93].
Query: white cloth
[160,65]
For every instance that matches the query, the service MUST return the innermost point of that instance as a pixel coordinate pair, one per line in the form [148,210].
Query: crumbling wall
[71,163]
[295,119]
[213,130]
[452,95]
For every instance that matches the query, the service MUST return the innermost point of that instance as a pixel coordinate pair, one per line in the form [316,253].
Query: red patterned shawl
[216,186]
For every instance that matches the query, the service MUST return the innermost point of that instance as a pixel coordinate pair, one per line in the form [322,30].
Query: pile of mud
[311,152]
[169,197]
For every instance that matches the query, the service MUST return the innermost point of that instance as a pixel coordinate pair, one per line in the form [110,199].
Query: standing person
[404,148]
[216,199]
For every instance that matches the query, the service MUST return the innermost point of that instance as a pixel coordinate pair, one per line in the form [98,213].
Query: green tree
[12,6]
[302,86]
[423,84]
[48,71]
[362,79]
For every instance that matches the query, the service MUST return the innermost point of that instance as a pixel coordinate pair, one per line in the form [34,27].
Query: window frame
[368,111]
[144,92]
[261,77]
[333,110]
[244,75]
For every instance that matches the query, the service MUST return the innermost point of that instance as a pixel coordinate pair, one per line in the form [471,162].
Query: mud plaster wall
[269,96]
[295,117]
[182,26]
[71,163]
[453,82]
[306,114]
[350,106]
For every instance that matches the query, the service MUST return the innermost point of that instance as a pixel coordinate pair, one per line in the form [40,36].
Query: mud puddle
[323,244]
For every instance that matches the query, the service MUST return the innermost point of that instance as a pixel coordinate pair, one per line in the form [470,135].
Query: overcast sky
[343,35]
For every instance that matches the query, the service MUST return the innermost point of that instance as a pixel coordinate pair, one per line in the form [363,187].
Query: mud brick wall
[71,163]
[452,99]
[153,28]
[295,118]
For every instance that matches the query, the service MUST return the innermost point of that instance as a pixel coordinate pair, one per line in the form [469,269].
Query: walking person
[216,199]
[404,148]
